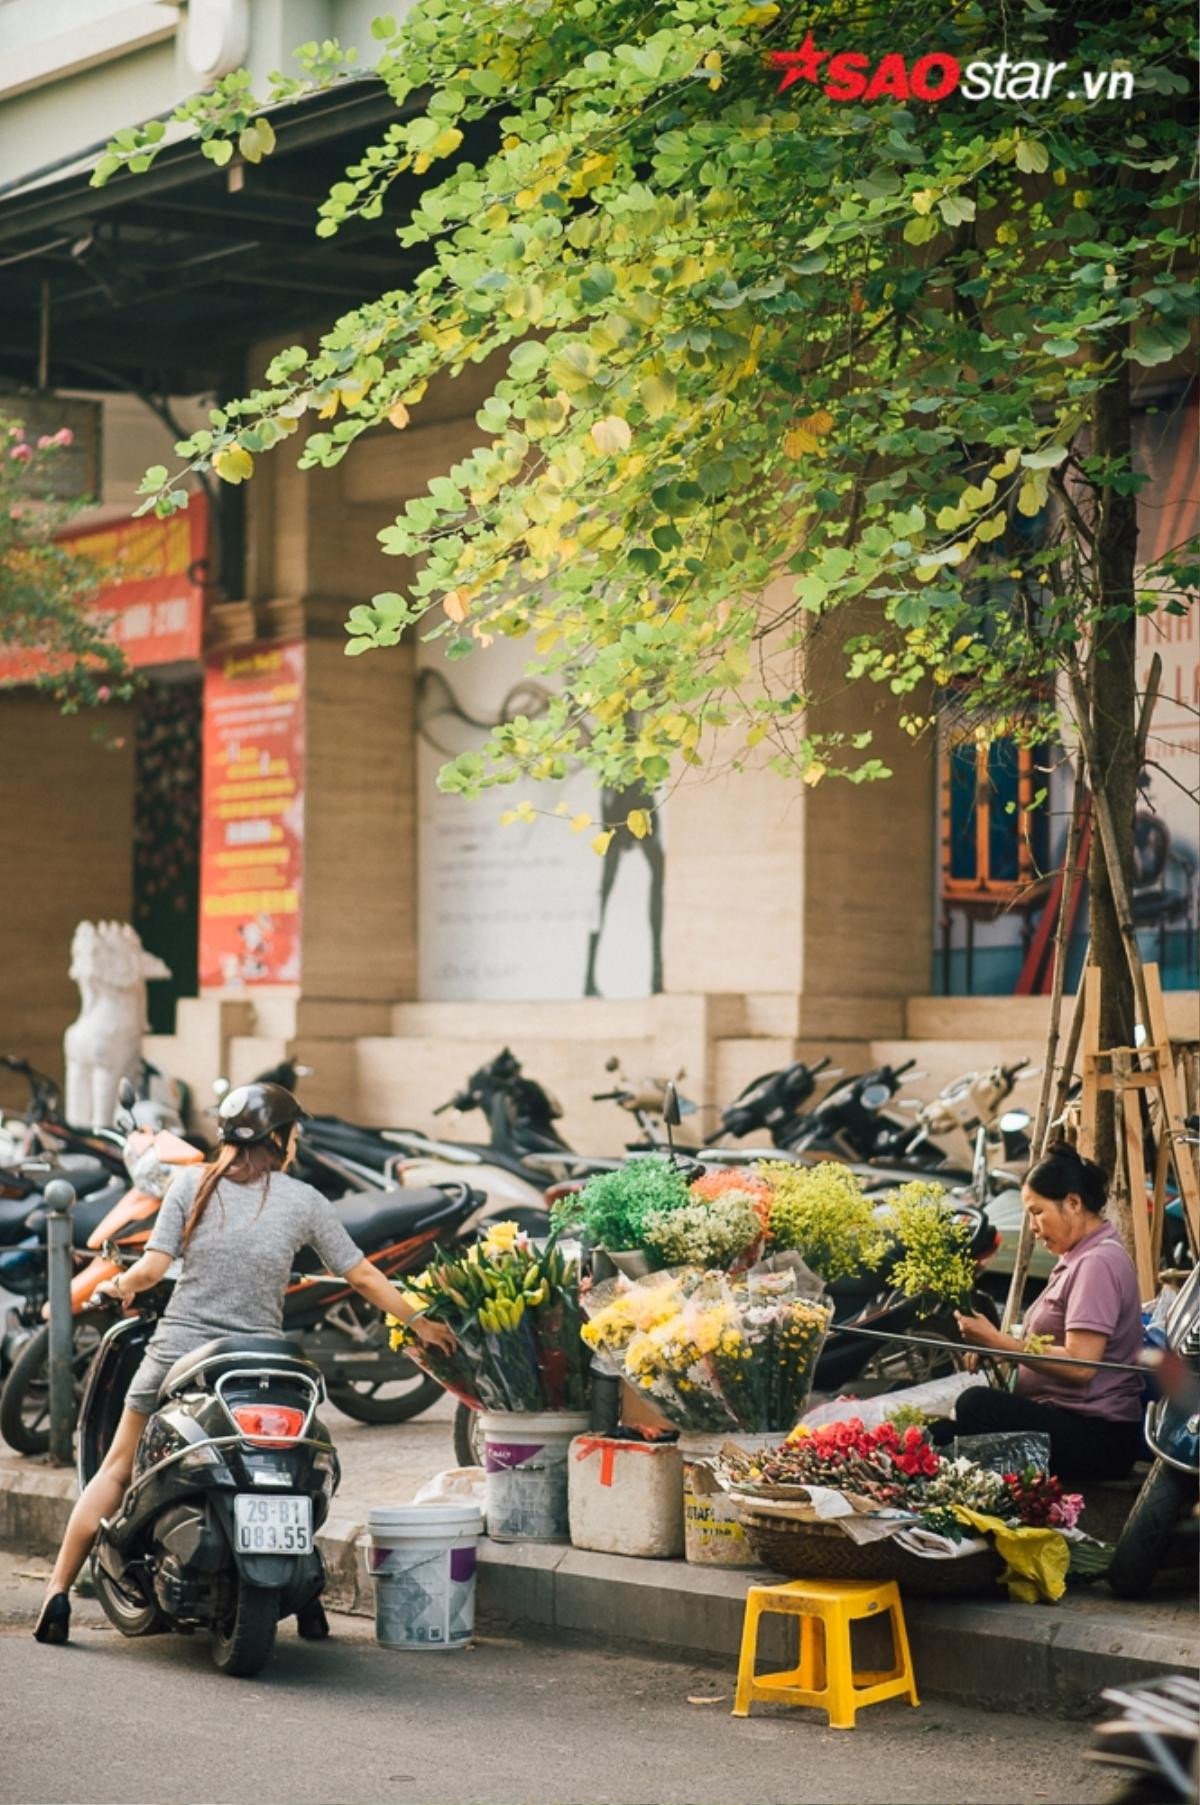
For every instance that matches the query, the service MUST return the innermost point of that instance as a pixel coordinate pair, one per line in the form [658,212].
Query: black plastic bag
[1007,1451]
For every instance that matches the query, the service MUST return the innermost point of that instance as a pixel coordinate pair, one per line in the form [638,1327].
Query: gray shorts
[147,1381]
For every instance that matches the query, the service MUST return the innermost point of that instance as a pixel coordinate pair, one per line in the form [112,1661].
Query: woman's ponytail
[241,1165]
[1063,1172]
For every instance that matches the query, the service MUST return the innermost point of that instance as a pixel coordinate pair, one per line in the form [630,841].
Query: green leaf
[1032,156]
[1157,341]
[217,150]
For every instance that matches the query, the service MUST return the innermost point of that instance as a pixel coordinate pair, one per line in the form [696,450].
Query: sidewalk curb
[1014,1657]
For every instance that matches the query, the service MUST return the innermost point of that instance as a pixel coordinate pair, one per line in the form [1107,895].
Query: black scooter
[233,1475]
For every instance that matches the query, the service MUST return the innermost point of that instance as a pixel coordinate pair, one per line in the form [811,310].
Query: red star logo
[798,65]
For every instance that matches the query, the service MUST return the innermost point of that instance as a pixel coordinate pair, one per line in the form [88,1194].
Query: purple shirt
[1093,1287]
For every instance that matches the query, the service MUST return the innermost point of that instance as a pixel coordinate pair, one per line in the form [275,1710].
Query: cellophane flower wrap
[713,1350]
[514,1308]
[895,1468]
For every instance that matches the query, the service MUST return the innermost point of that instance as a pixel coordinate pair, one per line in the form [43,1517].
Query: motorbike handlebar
[610,1096]
[898,1071]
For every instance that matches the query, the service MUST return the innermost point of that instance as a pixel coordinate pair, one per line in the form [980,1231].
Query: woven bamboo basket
[822,1551]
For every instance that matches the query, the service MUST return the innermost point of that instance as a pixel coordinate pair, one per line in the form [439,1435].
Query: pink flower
[103,694]
[1065,1510]
[64,436]
[16,432]
[21,454]
[45,441]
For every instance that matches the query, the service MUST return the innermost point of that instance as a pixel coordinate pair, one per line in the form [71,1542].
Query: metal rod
[990,1353]
[60,1202]
[43,369]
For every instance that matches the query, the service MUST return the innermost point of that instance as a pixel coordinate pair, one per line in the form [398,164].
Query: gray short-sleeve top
[239,1261]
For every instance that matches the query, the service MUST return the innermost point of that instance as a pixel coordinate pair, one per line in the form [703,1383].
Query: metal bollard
[60,1203]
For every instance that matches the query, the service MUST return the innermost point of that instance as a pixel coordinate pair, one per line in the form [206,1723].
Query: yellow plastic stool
[825,1676]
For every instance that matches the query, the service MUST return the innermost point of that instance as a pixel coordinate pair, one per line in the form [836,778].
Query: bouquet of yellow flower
[714,1351]
[515,1311]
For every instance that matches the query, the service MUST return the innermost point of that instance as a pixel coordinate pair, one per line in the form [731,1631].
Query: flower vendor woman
[1089,1310]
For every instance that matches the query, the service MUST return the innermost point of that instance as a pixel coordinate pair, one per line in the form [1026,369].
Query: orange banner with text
[252,843]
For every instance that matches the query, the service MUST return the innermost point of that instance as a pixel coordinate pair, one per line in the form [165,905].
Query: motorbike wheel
[1148,1530]
[125,1610]
[468,1437]
[25,1400]
[376,1400]
[243,1646]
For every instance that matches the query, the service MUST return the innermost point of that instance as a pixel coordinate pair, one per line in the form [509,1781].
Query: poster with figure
[526,910]
[252,839]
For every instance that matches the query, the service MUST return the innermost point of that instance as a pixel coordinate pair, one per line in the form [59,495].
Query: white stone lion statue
[104,1042]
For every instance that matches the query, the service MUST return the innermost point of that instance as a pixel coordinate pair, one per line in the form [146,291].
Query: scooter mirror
[671,1114]
[612,1063]
[1015,1121]
[126,1095]
[220,1086]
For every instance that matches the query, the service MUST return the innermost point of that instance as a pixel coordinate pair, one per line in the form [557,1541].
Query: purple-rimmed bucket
[525,1458]
[422,1559]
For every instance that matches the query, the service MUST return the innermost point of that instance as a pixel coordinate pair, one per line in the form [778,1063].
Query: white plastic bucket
[422,1559]
[525,1459]
[712,1534]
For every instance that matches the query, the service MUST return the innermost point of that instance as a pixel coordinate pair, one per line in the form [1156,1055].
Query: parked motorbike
[398,1230]
[1163,1519]
[1153,1738]
[152,1160]
[232,1476]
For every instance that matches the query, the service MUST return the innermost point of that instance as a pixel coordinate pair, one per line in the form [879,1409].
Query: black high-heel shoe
[54,1623]
[311,1622]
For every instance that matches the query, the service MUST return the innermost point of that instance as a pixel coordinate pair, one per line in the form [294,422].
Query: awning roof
[160,282]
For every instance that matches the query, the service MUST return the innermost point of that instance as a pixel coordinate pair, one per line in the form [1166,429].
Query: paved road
[506,1723]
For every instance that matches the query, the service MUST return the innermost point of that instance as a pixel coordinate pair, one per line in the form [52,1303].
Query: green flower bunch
[616,1208]
[707,1234]
[936,1263]
[821,1212]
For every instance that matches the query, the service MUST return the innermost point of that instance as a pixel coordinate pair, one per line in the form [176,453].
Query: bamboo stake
[1108,841]
[1024,1254]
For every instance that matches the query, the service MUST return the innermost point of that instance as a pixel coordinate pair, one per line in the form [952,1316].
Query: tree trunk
[1112,694]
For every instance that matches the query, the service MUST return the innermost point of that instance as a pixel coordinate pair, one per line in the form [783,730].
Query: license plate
[272,1525]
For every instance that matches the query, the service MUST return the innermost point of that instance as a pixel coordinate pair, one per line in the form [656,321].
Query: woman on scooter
[1090,1310]
[237,1225]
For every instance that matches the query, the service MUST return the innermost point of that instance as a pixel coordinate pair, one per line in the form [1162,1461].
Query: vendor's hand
[434,1334]
[980,1331]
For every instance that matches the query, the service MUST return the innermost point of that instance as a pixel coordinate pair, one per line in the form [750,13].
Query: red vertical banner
[252,843]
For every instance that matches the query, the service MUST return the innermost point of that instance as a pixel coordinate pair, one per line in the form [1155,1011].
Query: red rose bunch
[881,1462]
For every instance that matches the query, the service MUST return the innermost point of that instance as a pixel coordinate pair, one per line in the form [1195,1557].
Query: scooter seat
[234,1350]
[372,1226]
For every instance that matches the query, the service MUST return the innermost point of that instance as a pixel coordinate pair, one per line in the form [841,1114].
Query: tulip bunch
[515,1311]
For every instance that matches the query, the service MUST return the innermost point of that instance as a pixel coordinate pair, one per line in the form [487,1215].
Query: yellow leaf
[818,424]
[990,528]
[330,408]
[713,60]
[399,416]
[447,142]
[638,823]
[814,773]
[233,465]
[455,605]
[657,395]
[563,808]
[508,817]
[797,442]
[611,434]
[525,811]
[546,639]
[756,734]
[600,844]
[579,822]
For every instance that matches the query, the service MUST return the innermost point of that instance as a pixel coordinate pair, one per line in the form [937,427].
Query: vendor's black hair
[1063,1172]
